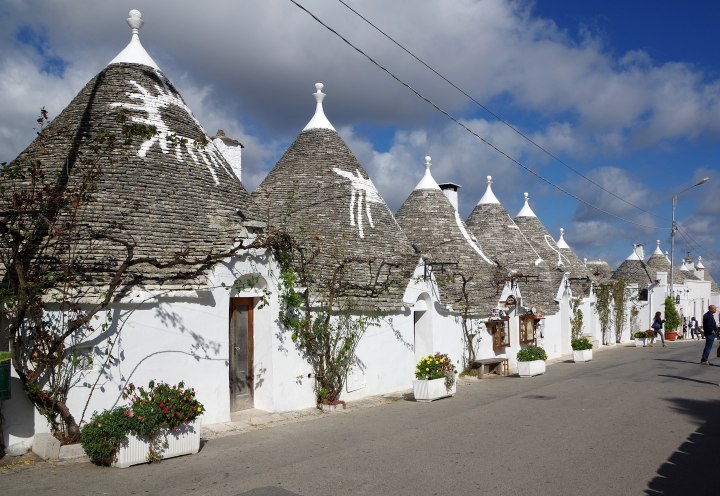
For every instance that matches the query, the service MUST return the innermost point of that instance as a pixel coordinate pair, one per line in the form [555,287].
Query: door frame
[250,303]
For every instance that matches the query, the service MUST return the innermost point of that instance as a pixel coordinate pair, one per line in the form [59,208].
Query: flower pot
[582,355]
[433,389]
[640,342]
[184,440]
[532,368]
[671,335]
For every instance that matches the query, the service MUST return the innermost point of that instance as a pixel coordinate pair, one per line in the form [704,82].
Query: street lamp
[674,227]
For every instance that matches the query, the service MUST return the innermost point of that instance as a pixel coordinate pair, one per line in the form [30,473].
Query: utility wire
[494,114]
[456,121]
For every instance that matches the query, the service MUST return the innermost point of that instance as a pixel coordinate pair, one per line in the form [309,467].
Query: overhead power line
[494,114]
[466,128]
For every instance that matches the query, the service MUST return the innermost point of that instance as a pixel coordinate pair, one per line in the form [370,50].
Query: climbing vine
[603,309]
[318,310]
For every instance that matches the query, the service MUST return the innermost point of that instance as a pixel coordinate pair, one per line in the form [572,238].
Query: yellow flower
[199,409]
[426,370]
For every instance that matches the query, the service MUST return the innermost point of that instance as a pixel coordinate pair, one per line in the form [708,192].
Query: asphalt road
[632,421]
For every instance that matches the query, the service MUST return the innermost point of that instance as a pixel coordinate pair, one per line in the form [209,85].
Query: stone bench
[488,366]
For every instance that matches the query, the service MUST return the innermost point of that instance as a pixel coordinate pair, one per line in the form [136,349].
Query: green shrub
[580,344]
[640,335]
[104,434]
[160,406]
[530,353]
[5,356]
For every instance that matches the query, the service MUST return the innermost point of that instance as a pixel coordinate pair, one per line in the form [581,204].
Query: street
[633,421]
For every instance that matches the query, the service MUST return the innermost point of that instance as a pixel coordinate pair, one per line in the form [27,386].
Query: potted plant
[161,421]
[435,378]
[672,319]
[582,349]
[640,338]
[4,375]
[531,361]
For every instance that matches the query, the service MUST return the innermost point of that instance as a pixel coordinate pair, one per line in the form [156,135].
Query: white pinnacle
[489,197]
[427,181]
[699,265]
[561,242]
[134,53]
[526,211]
[319,121]
[658,251]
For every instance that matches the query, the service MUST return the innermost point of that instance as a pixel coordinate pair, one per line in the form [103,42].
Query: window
[82,358]
[527,329]
[500,333]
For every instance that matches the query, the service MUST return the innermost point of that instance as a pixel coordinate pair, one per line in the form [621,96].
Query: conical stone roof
[658,262]
[320,194]
[600,270]
[581,277]
[434,226]
[558,262]
[634,270]
[163,187]
[505,244]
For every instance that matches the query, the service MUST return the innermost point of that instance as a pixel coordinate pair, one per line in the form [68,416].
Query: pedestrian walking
[709,328]
[657,326]
[694,329]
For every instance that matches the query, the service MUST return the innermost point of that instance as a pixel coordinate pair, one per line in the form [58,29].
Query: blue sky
[625,93]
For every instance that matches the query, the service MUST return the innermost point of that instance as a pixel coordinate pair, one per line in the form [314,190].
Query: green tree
[672,317]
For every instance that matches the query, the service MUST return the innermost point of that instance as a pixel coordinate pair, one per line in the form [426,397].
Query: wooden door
[241,354]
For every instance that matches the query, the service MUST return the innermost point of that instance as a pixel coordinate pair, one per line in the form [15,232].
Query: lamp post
[674,228]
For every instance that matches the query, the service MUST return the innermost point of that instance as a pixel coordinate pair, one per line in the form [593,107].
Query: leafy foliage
[160,406]
[531,353]
[640,335]
[104,434]
[436,366]
[603,309]
[672,317]
[581,343]
[317,307]
[576,321]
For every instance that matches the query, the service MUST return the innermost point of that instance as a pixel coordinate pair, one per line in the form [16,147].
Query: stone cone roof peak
[319,121]
[699,265]
[561,242]
[427,182]
[489,197]
[134,52]
[526,211]
[658,251]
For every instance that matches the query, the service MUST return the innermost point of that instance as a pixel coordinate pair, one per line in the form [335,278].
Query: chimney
[639,251]
[230,149]
[450,190]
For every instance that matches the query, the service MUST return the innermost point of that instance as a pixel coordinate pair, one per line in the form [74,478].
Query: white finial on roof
[699,265]
[561,242]
[427,182]
[658,251]
[134,53]
[667,256]
[319,121]
[637,253]
[526,211]
[489,197]
[585,261]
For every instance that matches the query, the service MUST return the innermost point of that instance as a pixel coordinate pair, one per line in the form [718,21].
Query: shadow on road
[686,470]
[268,491]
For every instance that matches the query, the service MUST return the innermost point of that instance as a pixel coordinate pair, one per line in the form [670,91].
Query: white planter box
[582,355]
[185,440]
[529,369]
[432,390]
[639,342]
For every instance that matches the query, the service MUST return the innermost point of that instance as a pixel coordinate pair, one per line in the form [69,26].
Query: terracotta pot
[671,335]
